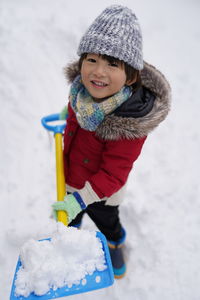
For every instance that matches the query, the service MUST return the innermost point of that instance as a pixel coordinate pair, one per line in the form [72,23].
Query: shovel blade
[98,280]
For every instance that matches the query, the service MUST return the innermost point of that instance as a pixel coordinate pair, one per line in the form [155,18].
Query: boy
[115,101]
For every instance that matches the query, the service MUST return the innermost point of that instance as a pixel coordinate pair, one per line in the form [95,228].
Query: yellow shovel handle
[60,177]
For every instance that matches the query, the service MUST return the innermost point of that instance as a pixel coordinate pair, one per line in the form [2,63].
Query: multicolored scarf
[89,113]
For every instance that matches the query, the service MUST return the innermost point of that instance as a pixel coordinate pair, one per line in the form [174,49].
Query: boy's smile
[98,84]
[102,78]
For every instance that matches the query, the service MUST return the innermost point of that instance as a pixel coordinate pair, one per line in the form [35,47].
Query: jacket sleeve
[117,161]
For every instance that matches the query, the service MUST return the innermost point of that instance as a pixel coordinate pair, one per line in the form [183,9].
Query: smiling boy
[115,101]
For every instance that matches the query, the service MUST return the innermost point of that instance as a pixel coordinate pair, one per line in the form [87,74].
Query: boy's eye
[91,60]
[113,64]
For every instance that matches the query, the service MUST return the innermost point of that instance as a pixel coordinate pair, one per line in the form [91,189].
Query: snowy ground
[162,209]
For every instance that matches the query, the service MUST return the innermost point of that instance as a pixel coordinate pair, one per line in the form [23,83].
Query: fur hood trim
[114,127]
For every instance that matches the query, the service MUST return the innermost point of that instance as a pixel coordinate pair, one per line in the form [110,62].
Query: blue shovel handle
[55,128]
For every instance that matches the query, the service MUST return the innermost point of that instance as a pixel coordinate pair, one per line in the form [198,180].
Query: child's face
[101,78]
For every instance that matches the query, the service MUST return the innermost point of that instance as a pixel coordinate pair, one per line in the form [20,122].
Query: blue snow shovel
[99,279]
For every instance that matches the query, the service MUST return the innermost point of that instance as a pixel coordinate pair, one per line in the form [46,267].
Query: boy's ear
[131,81]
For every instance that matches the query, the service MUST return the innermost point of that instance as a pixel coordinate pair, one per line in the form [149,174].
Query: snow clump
[66,259]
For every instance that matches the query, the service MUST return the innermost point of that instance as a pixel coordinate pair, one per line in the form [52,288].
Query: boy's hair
[130,72]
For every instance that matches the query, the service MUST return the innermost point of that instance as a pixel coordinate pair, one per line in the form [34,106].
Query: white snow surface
[161,212]
[64,260]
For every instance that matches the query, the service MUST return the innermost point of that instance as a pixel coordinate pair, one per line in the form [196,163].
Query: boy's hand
[72,204]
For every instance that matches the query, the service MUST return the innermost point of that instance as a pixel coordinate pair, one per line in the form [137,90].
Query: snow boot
[117,258]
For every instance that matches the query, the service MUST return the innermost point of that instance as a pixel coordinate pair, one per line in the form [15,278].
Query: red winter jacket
[97,164]
[104,164]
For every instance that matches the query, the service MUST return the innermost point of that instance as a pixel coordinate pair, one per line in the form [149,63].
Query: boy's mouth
[98,84]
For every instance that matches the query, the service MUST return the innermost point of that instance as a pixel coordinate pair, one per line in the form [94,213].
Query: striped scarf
[89,113]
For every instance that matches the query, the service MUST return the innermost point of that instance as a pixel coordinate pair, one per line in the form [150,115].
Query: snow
[161,212]
[62,261]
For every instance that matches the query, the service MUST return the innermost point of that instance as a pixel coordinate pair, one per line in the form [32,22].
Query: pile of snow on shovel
[66,259]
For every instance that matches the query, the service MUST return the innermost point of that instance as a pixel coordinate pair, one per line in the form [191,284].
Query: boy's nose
[99,70]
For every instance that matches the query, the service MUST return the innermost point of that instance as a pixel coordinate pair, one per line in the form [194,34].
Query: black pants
[105,217]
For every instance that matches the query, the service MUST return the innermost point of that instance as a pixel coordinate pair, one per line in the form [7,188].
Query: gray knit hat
[115,32]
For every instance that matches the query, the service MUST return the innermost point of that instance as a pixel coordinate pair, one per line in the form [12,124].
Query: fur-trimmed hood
[114,127]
